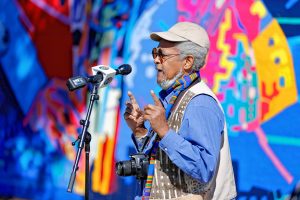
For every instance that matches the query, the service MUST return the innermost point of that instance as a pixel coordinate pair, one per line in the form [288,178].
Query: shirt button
[166,149]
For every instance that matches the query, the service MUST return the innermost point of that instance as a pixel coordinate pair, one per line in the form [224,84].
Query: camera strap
[179,88]
[146,141]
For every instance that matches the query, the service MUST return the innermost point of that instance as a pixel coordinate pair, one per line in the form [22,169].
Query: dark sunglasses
[162,57]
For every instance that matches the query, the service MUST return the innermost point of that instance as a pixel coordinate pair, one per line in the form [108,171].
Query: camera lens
[125,168]
[136,166]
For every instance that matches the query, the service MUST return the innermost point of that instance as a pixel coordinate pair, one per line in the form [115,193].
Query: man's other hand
[156,115]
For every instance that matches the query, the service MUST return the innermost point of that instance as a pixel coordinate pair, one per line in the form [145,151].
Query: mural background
[253,67]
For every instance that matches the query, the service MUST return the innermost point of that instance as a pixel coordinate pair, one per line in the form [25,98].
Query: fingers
[128,110]
[155,99]
[131,109]
[132,98]
[149,107]
[150,111]
[140,112]
[128,116]
[129,105]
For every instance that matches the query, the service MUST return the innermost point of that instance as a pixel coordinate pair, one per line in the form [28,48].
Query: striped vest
[169,182]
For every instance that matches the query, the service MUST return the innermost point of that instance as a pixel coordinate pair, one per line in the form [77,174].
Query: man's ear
[189,62]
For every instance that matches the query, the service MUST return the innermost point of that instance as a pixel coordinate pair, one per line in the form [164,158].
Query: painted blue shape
[20,63]
[282,81]
[271,42]
[285,124]
[3,39]
[255,178]
[277,60]
[277,10]
[241,26]
[290,3]
[264,22]
[294,44]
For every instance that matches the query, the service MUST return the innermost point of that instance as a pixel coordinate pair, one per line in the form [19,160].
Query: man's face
[168,62]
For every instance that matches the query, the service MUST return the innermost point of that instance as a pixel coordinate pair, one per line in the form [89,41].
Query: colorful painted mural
[253,66]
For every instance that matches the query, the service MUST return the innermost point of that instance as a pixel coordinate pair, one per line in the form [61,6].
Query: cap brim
[157,36]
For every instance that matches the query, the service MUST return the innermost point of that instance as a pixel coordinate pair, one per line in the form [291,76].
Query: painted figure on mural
[187,138]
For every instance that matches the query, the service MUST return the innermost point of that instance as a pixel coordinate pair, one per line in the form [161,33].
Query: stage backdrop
[253,66]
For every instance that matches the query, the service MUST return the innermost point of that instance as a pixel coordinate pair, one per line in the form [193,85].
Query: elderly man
[187,140]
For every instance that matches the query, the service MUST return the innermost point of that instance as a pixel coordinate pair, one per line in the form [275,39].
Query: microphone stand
[85,138]
[102,72]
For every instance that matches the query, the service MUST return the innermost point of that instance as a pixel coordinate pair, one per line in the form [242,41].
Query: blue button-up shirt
[195,148]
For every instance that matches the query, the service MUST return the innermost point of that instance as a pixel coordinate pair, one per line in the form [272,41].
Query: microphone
[102,74]
[108,73]
[124,69]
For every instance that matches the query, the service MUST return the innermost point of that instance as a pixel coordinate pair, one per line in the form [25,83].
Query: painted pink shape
[262,140]
[266,148]
[230,110]
[245,73]
[232,84]
[244,93]
[242,115]
[221,97]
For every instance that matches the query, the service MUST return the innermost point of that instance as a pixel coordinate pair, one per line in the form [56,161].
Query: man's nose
[157,60]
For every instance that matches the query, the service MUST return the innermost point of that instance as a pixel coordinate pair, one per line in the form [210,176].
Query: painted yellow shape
[288,75]
[225,48]
[80,176]
[282,54]
[258,8]
[96,174]
[269,72]
[104,161]
[108,166]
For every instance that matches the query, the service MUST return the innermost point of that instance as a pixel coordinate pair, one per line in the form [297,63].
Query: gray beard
[165,84]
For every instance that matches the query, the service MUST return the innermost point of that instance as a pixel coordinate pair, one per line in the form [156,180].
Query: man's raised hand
[134,116]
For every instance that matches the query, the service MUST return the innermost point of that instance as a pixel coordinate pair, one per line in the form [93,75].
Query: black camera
[136,166]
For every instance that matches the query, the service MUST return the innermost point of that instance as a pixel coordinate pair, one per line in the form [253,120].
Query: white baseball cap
[184,31]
